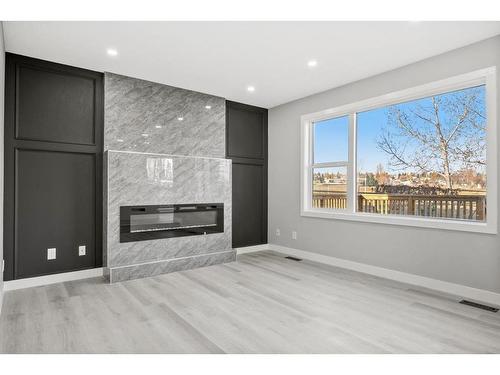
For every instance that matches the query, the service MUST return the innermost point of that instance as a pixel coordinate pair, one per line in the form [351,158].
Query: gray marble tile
[143,116]
[105,211]
[146,179]
[149,160]
[157,268]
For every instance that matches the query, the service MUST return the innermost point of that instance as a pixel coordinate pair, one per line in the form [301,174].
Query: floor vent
[478,305]
[293,258]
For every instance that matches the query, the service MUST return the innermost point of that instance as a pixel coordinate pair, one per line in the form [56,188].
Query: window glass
[331,140]
[330,188]
[425,157]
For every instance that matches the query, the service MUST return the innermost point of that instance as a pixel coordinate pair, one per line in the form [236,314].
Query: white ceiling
[223,58]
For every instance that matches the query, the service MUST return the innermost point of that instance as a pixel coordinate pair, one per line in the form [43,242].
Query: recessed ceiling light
[112,52]
[312,63]
[180,118]
[119,140]
[208,107]
[145,134]
[250,89]
[158,126]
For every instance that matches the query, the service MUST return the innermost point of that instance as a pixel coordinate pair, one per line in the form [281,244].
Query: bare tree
[441,134]
[381,175]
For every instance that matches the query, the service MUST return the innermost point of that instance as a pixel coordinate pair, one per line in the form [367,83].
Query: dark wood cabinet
[53,167]
[246,145]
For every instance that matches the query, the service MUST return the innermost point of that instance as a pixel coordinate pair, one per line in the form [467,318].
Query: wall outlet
[278,232]
[51,253]
[294,235]
[82,250]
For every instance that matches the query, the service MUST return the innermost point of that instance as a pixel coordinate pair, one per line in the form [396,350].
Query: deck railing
[469,207]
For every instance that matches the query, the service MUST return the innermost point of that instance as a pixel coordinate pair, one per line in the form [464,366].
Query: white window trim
[484,76]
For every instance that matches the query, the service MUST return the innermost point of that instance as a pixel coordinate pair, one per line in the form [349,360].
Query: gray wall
[464,258]
[2,91]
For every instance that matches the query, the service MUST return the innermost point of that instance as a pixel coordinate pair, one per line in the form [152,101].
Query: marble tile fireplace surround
[163,146]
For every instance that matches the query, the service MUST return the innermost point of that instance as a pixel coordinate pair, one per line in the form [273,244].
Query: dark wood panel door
[54,107]
[246,139]
[248,209]
[53,190]
[246,133]
[53,167]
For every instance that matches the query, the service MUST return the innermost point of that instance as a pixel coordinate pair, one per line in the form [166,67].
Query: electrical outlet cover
[82,250]
[51,253]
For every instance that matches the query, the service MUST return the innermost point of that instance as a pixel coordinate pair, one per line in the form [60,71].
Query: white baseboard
[52,279]
[251,249]
[463,291]
[466,292]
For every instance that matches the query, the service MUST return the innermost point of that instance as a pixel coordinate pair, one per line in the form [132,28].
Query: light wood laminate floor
[263,303]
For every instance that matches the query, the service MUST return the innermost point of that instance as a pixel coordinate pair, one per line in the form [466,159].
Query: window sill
[464,226]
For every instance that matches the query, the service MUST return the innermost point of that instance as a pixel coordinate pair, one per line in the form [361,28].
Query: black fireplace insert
[139,223]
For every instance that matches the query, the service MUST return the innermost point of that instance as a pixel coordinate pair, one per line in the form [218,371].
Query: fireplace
[140,223]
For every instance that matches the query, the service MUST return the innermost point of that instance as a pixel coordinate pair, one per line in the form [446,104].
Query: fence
[469,207]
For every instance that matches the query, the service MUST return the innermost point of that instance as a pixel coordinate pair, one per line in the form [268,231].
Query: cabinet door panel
[54,107]
[247,205]
[53,211]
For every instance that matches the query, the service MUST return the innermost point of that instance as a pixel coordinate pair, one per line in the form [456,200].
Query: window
[330,163]
[424,157]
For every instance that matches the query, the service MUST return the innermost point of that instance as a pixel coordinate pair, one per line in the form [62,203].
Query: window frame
[332,164]
[485,77]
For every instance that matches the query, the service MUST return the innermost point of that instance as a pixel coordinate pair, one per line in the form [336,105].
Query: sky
[331,136]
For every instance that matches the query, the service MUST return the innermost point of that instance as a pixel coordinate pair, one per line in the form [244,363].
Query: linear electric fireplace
[139,223]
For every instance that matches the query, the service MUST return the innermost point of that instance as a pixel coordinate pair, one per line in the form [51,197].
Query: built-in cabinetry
[246,145]
[53,168]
